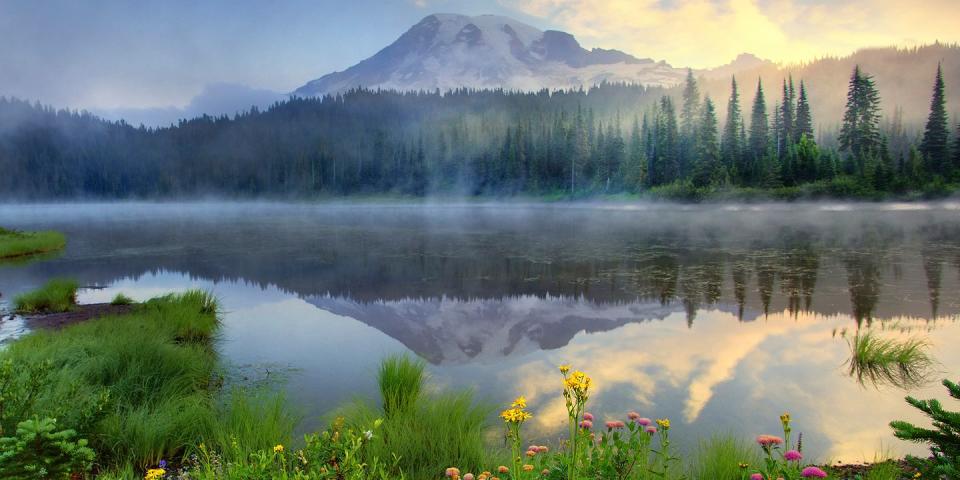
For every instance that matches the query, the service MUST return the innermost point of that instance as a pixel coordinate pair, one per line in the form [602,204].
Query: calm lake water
[718,317]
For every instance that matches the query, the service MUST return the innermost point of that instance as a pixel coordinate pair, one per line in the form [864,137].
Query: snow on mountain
[447,51]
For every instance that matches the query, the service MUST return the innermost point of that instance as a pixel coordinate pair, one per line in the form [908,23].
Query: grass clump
[722,457]
[57,295]
[883,361]
[121,299]
[14,243]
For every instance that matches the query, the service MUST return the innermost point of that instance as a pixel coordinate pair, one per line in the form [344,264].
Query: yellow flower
[155,474]
[528,468]
[664,423]
[520,402]
[578,383]
[564,368]
[278,449]
[515,415]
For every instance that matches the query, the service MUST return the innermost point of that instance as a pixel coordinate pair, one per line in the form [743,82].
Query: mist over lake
[718,316]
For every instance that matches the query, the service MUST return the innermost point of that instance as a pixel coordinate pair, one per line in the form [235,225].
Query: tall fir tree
[804,118]
[860,130]
[759,134]
[956,151]
[667,143]
[731,147]
[786,123]
[707,168]
[689,116]
[936,136]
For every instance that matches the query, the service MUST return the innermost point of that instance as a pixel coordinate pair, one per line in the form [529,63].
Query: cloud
[704,33]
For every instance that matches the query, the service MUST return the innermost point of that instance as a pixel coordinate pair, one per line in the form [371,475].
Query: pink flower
[615,424]
[633,416]
[650,429]
[453,471]
[543,449]
[586,424]
[813,472]
[588,416]
[643,421]
[468,476]
[793,456]
[768,440]
[756,476]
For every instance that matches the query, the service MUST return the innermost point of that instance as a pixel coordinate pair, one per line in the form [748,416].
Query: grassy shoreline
[15,244]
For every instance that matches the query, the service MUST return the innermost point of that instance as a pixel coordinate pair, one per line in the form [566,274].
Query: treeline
[612,138]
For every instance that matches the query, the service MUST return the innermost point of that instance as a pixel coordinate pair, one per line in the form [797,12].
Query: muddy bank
[80,313]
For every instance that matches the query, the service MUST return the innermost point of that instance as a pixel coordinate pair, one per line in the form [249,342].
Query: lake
[720,317]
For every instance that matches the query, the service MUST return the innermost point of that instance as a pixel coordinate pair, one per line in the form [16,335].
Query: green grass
[57,295]
[883,361]
[431,431]
[145,386]
[121,299]
[719,457]
[17,244]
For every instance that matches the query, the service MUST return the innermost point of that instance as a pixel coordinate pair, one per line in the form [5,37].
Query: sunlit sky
[112,54]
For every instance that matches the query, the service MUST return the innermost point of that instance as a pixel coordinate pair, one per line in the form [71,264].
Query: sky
[103,54]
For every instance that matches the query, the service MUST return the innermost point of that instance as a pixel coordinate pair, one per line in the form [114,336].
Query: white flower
[368,434]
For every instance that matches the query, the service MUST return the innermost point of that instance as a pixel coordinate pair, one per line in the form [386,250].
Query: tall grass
[427,431]
[719,457]
[885,361]
[17,244]
[57,295]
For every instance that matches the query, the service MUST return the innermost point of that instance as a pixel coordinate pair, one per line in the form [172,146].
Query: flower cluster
[783,464]
[516,413]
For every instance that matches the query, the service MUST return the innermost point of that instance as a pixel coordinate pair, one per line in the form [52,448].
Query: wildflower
[515,415]
[565,368]
[453,472]
[664,423]
[163,464]
[793,456]
[543,449]
[633,416]
[916,475]
[468,476]
[813,472]
[766,441]
[785,419]
[155,474]
[588,416]
[614,424]
[368,434]
[644,421]
[545,472]
[578,383]
[586,424]
[756,476]
[528,468]
[520,402]
[650,429]
[743,465]
[278,448]
[531,453]
[502,469]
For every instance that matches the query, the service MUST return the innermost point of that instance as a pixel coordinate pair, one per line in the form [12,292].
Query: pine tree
[956,151]
[804,118]
[860,131]
[944,441]
[936,135]
[732,149]
[707,166]
[759,133]
[786,116]
[667,169]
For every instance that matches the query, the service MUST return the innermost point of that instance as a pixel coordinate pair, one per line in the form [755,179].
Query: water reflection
[719,317]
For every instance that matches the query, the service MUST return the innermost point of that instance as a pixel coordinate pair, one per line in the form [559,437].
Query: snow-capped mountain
[447,51]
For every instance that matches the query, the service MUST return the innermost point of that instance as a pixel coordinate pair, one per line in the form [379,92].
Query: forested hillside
[609,139]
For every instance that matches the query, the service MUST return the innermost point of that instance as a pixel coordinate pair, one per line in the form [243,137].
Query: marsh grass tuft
[719,458]
[15,244]
[57,295]
[884,361]
[401,380]
[121,299]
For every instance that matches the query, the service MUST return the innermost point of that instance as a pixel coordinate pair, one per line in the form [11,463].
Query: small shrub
[57,295]
[40,451]
[944,440]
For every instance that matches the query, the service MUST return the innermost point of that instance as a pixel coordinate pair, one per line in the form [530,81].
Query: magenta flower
[650,429]
[586,424]
[793,456]
[813,472]
[756,476]
[643,421]
[768,440]
[588,416]
[615,424]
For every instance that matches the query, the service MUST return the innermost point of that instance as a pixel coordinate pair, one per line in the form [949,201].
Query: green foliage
[121,299]
[40,451]
[722,457]
[401,380]
[18,244]
[944,438]
[57,295]
[885,361]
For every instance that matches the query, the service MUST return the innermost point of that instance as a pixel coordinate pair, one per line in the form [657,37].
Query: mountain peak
[448,51]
